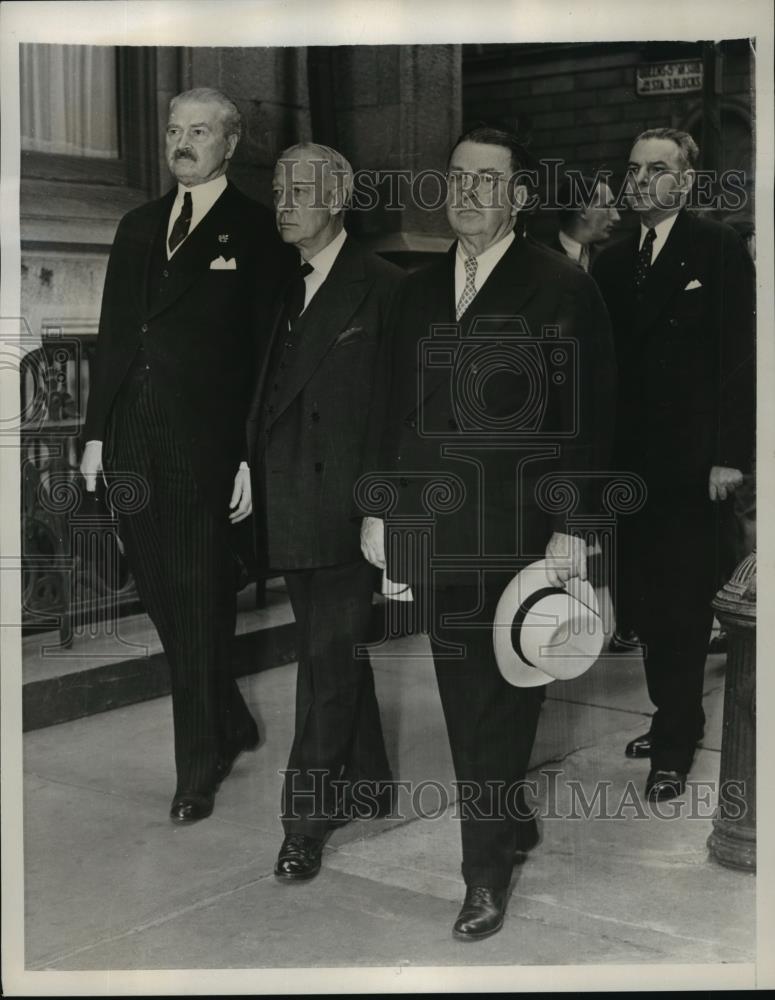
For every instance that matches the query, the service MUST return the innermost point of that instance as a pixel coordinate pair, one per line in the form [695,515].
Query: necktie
[469,289]
[643,262]
[584,258]
[182,223]
[294,303]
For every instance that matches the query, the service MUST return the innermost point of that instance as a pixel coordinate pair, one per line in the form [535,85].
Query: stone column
[399,108]
[733,840]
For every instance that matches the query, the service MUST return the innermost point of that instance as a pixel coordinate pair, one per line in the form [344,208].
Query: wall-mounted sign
[669,77]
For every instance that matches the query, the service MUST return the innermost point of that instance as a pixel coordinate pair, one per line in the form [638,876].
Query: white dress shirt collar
[662,230]
[203,197]
[321,265]
[485,263]
[575,250]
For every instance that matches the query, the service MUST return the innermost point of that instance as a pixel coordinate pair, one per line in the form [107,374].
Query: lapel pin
[223,238]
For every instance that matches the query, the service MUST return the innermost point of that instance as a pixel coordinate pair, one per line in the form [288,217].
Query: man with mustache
[680,292]
[168,398]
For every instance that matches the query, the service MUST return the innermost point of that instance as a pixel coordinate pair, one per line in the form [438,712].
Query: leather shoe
[188,807]
[639,747]
[482,913]
[663,784]
[299,857]
[624,641]
[225,762]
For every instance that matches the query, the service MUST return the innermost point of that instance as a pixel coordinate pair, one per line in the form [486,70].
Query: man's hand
[91,464]
[373,541]
[241,503]
[723,481]
[566,557]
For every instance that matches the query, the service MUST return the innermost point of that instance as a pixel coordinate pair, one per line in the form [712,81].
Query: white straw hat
[543,633]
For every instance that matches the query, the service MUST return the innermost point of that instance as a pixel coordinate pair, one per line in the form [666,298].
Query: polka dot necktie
[643,263]
[469,289]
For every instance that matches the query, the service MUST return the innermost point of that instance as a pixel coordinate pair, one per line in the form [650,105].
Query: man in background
[167,407]
[587,215]
[680,292]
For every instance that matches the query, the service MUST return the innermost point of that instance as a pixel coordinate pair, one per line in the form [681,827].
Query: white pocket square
[221,264]
[693,284]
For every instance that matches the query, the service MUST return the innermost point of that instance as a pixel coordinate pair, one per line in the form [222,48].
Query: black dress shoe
[225,762]
[663,784]
[188,807]
[624,641]
[639,747]
[482,913]
[299,857]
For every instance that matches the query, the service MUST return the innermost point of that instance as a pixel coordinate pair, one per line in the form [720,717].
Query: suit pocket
[355,335]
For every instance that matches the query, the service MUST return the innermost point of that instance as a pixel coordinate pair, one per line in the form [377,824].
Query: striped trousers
[185,572]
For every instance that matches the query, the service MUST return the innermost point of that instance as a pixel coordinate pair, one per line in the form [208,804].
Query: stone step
[122,662]
[119,663]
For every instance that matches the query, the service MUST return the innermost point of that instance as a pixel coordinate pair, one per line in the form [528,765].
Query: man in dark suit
[680,292]
[168,399]
[465,411]
[317,416]
[587,215]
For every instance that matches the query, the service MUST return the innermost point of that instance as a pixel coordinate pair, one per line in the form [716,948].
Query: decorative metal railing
[73,571]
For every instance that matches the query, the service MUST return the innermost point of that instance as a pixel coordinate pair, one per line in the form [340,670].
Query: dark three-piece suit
[315,421]
[686,359]
[169,396]
[521,386]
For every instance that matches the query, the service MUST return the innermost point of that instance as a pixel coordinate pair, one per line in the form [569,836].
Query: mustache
[184,154]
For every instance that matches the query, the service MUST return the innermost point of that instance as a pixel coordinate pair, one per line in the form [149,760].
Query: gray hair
[340,165]
[687,147]
[232,119]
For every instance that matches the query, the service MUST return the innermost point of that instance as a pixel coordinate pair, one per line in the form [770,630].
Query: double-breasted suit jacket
[313,425]
[522,386]
[195,323]
[311,437]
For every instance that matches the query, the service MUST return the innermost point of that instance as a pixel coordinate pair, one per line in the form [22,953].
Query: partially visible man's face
[478,206]
[197,149]
[601,215]
[661,178]
[303,190]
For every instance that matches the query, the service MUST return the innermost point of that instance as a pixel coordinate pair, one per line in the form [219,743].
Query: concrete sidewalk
[112,884]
